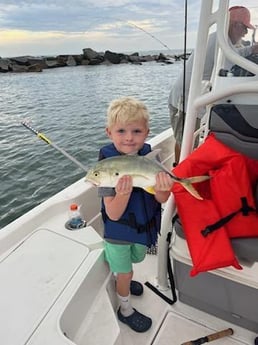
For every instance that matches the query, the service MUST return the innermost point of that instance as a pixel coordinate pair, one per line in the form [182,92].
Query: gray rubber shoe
[137,321]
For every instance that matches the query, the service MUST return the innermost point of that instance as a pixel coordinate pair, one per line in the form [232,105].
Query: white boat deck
[61,292]
[181,322]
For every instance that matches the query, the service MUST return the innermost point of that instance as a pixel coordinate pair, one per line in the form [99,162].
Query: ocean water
[69,106]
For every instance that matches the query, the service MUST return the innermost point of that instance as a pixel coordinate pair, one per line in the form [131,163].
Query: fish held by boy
[143,170]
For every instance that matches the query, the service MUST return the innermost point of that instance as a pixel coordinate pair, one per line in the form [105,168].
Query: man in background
[239,23]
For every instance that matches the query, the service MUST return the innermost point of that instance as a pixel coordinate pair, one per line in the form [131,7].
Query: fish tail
[196,179]
[190,188]
[187,184]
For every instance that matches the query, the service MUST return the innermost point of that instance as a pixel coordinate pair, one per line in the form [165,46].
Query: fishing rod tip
[27,125]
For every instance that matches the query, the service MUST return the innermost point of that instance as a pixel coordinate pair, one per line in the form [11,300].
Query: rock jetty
[88,57]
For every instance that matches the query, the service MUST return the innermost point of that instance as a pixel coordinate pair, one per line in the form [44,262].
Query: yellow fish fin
[149,190]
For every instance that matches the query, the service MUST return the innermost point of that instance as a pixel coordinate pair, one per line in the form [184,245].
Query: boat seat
[244,248]
[236,125]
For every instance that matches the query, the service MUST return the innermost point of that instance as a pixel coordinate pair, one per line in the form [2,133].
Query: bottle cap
[73,207]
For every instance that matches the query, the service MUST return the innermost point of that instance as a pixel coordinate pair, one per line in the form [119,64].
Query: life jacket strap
[245,210]
[131,221]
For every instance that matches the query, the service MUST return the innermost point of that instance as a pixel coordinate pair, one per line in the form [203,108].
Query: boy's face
[128,138]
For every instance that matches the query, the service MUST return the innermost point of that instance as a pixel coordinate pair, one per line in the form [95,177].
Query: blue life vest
[140,223]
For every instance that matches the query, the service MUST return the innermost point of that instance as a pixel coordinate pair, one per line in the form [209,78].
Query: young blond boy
[126,240]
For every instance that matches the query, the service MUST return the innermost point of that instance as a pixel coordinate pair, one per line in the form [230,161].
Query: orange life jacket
[228,209]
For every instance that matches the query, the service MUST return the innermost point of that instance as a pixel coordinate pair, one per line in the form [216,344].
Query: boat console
[231,105]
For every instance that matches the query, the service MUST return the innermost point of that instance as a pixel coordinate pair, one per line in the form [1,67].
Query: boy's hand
[164,182]
[124,185]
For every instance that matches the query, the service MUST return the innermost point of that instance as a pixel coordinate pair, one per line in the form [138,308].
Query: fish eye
[117,173]
[96,173]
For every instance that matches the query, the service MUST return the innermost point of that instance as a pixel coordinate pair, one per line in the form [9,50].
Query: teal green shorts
[121,257]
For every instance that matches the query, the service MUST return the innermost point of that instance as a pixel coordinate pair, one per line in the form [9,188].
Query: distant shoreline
[88,57]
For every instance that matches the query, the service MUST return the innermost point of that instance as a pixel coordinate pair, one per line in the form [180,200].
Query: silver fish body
[143,170]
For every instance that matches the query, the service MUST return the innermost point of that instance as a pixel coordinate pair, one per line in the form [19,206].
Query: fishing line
[55,146]
[151,35]
[184,69]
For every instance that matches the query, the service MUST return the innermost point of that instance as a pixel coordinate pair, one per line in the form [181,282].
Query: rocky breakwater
[89,57]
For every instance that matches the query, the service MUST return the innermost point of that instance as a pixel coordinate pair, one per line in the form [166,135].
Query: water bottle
[75,221]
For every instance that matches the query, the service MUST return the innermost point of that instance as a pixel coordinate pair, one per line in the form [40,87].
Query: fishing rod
[55,146]
[151,35]
[184,68]
[210,337]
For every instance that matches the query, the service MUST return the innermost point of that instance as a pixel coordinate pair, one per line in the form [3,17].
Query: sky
[52,27]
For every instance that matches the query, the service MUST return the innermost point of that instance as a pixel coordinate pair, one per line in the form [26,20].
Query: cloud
[61,26]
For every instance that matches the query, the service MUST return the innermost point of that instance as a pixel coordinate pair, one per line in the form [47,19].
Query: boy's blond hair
[126,110]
